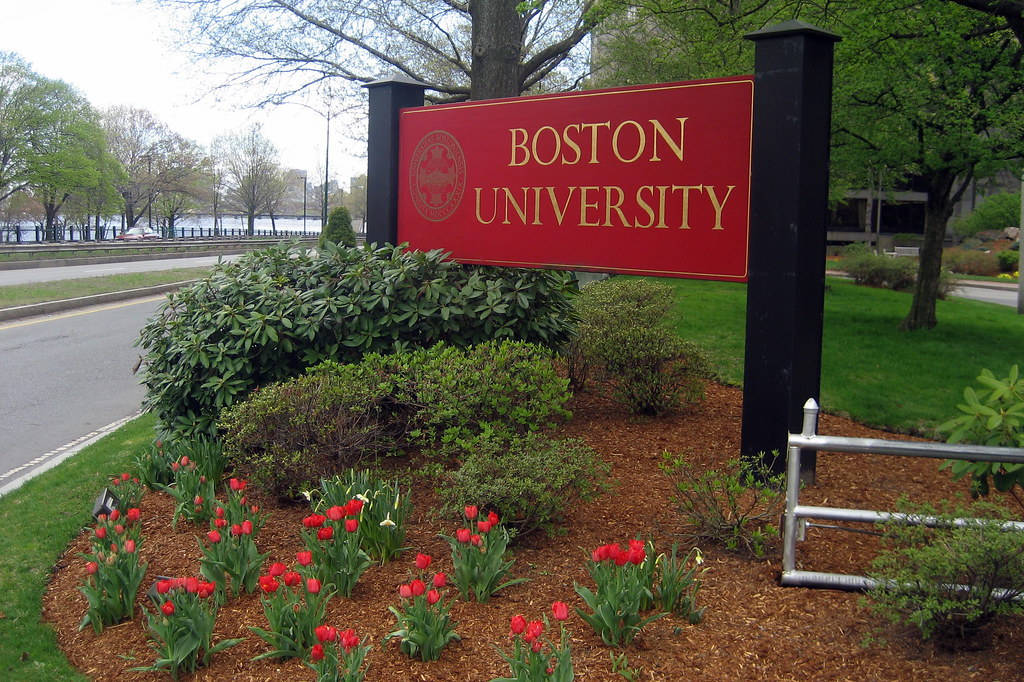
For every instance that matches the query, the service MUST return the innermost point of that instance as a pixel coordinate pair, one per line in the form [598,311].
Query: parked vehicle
[139,233]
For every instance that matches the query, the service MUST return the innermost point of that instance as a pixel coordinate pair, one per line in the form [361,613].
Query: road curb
[48,307]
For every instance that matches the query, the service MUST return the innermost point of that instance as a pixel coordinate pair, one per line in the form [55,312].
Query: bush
[908,239]
[274,312]
[869,269]
[339,229]
[1009,261]
[531,481]
[287,436]
[994,213]
[290,434]
[621,336]
[735,508]
[992,415]
[971,262]
[949,581]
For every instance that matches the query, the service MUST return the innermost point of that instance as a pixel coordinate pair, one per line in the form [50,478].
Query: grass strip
[37,521]
[39,292]
[871,371]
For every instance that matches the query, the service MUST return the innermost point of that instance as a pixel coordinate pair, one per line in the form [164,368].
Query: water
[191,227]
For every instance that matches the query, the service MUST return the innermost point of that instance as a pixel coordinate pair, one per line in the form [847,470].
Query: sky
[117,52]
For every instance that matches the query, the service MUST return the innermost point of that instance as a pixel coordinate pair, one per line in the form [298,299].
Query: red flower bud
[560,610]
[417,587]
[471,511]
[325,633]
[237,484]
[219,512]
[220,523]
[423,561]
[236,529]
[462,535]
[269,584]
[119,529]
[536,646]
[184,461]
[355,505]
[440,580]
[168,608]
[277,568]
[129,546]
[476,540]
[115,515]
[337,513]
[483,526]
[316,653]
[433,596]
[133,514]
[125,476]
[312,586]
[304,558]
[247,527]
[91,567]
[292,578]
[492,518]
[351,525]
[404,591]
[197,501]
[518,625]
[325,533]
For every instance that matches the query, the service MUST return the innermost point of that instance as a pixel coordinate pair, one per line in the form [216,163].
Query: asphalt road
[31,275]
[1005,296]
[64,376]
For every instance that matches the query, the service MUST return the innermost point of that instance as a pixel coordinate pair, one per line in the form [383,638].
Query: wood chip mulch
[753,628]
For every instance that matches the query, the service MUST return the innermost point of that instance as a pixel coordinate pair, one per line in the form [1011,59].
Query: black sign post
[788,213]
[387,98]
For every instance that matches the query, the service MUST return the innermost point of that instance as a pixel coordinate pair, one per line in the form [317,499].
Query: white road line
[58,455]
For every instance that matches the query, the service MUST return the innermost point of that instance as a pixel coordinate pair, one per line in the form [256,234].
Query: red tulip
[518,625]
[129,546]
[423,561]
[337,513]
[133,514]
[220,523]
[462,535]
[206,589]
[269,584]
[471,511]
[168,608]
[304,558]
[476,540]
[101,532]
[417,587]
[560,610]
[277,568]
[91,567]
[219,512]
[197,501]
[349,639]
[312,586]
[433,596]
[492,518]
[184,461]
[355,505]
[236,529]
[351,525]
[533,630]
[236,484]
[483,526]
[404,591]
[325,533]
[247,527]
[163,586]
[316,653]
[115,515]
[325,633]
[125,476]
[191,585]
[213,536]
[536,646]
[119,529]
[440,580]
[292,578]
[314,521]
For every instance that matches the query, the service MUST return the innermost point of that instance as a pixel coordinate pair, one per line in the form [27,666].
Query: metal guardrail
[794,524]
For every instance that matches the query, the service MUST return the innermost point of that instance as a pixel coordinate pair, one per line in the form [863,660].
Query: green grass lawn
[24,294]
[37,521]
[870,369]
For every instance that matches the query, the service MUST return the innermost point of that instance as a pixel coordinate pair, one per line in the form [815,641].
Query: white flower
[308,494]
[387,522]
[699,558]
[363,498]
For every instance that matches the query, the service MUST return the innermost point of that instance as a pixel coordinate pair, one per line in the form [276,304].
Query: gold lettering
[520,210]
[571,144]
[521,145]
[593,137]
[613,206]
[494,206]
[685,223]
[641,141]
[659,131]
[718,205]
[644,205]
[536,205]
[587,205]
[560,210]
[558,145]
[661,206]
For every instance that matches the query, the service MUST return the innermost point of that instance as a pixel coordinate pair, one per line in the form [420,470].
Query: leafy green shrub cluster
[994,213]
[622,339]
[1009,261]
[971,262]
[991,415]
[274,312]
[336,416]
[734,508]
[531,481]
[951,580]
[884,272]
[339,229]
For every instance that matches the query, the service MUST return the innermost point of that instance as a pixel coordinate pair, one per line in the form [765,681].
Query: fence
[795,524]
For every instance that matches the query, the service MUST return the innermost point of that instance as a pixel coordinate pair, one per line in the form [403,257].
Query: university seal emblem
[437,175]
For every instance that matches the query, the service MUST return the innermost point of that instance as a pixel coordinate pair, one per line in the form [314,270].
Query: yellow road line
[87,311]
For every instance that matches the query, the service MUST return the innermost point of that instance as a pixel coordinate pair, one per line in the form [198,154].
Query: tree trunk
[497,49]
[252,224]
[938,209]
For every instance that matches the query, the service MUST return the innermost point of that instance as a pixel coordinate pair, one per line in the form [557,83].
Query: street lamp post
[327,158]
[304,176]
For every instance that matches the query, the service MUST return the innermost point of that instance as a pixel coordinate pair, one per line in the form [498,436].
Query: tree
[459,48]
[339,228]
[355,199]
[251,172]
[929,91]
[1012,11]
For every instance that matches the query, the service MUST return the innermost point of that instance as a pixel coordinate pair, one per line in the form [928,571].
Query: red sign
[652,179]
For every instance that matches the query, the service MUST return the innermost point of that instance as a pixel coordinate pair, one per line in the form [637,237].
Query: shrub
[286,436]
[1009,261]
[907,239]
[622,337]
[530,481]
[994,213]
[971,262]
[951,580]
[869,269]
[274,312]
[735,508]
[992,415]
[339,229]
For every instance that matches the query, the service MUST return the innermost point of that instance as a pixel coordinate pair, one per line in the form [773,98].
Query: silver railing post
[809,430]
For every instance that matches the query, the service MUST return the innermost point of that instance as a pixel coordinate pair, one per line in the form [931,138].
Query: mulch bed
[753,629]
